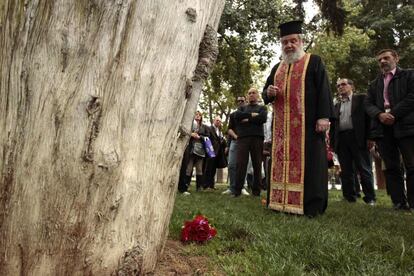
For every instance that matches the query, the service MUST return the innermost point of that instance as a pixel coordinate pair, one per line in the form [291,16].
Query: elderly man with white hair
[298,88]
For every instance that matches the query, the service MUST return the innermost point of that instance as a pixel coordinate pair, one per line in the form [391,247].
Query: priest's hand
[322,125]
[273,92]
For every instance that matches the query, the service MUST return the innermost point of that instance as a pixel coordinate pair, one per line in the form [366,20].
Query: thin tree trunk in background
[96,99]
[379,173]
[220,176]
[210,110]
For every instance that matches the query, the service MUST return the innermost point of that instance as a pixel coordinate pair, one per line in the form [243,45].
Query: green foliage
[333,11]
[247,32]
[390,25]
[255,23]
[370,26]
[350,239]
[338,54]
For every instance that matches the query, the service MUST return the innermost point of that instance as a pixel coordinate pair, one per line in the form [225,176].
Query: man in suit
[349,138]
[219,144]
[390,104]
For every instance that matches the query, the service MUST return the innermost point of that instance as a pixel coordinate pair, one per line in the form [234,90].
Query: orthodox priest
[298,88]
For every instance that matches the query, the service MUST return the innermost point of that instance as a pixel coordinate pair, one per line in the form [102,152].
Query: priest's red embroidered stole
[288,151]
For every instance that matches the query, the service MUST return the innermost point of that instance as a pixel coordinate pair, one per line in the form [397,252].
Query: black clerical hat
[291,27]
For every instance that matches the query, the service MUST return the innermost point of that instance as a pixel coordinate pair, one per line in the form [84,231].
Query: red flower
[198,230]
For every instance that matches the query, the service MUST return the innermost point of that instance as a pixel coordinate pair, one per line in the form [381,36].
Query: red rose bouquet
[198,230]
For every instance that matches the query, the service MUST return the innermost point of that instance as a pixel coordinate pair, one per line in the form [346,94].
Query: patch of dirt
[174,261]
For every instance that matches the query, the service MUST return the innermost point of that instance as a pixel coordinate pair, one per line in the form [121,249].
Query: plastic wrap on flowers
[198,230]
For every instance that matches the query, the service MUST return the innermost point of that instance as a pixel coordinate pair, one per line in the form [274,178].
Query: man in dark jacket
[349,135]
[390,104]
[250,135]
[232,150]
[212,164]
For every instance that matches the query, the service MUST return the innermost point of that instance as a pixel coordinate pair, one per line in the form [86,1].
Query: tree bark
[96,99]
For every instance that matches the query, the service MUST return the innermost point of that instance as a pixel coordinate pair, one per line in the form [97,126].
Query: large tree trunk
[95,102]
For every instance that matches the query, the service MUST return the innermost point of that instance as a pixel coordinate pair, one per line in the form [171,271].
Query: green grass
[349,239]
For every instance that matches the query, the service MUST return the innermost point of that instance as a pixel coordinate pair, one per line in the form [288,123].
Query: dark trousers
[391,149]
[254,146]
[184,180]
[210,173]
[357,185]
[352,159]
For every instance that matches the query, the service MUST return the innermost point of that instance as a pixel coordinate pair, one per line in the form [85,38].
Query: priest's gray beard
[293,57]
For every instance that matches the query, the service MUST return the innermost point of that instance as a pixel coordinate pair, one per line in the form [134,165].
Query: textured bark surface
[96,99]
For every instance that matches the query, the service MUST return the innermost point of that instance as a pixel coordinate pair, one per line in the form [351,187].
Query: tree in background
[389,24]
[248,36]
[346,33]
[248,32]
[370,25]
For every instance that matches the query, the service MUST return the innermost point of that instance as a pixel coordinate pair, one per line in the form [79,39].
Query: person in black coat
[349,137]
[250,119]
[298,88]
[212,164]
[194,155]
[390,104]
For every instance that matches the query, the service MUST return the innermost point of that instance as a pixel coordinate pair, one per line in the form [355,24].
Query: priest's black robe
[318,105]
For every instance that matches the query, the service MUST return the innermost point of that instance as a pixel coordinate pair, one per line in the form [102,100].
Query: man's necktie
[387,79]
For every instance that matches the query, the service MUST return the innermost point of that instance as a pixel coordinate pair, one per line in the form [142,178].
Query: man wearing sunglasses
[349,138]
[232,150]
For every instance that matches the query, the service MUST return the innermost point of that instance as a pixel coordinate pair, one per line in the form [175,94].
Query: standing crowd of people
[303,116]
[196,155]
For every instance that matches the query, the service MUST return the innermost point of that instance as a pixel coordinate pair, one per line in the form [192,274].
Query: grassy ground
[350,239]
